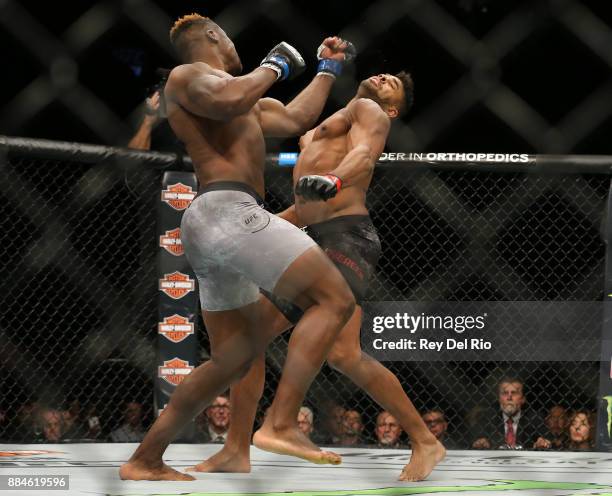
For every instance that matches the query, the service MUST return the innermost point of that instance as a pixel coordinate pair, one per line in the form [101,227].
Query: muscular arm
[299,115]
[142,139]
[368,134]
[201,91]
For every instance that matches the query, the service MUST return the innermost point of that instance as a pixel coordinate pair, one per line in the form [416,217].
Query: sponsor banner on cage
[176,285]
[171,242]
[605,416]
[175,328]
[503,158]
[178,296]
[174,371]
[483,330]
[287,159]
[290,159]
[178,196]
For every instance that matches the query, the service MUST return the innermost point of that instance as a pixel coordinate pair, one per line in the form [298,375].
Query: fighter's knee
[344,304]
[342,359]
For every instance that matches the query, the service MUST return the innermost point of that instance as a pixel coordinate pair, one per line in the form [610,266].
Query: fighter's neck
[209,57]
[357,97]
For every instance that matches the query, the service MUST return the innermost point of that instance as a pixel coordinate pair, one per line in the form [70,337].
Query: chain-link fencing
[528,76]
[474,236]
[79,292]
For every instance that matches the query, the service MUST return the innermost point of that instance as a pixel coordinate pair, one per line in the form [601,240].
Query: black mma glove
[285,60]
[315,187]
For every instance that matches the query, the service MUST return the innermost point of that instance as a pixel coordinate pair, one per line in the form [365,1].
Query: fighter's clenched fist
[315,187]
[336,48]
[333,53]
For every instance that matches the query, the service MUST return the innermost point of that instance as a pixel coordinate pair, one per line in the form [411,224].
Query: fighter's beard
[366,90]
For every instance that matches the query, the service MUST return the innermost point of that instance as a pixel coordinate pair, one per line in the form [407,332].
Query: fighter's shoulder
[184,73]
[360,107]
[366,111]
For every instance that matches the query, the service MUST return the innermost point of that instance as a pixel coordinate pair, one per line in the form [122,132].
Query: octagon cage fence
[79,292]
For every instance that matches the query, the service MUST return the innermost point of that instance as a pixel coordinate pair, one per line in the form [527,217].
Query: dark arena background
[81,214]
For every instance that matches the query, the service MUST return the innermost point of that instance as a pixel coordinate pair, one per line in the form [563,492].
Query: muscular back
[230,149]
[325,147]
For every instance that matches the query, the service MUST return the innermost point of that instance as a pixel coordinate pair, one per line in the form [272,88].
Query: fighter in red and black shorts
[352,243]
[331,179]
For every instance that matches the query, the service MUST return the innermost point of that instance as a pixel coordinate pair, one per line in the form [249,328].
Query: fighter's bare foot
[139,471]
[294,443]
[425,456]
[226,460]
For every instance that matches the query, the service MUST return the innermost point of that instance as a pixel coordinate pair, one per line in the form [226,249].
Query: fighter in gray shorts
[235,246]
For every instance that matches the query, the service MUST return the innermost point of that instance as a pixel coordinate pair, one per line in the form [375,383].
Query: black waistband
[338,224]
[231,186]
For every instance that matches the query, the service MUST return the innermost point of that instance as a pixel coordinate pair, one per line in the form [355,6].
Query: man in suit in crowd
[511,426]
[212,425]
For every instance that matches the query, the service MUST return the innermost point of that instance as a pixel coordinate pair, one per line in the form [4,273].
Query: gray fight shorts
[235,246]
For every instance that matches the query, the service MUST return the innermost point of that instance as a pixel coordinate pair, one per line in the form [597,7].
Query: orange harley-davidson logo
[175,328]
[171,242]
[176,285]
[174,371]
[178,196]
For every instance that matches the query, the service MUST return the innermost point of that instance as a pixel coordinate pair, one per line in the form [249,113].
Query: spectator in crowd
[52,426]
[388,431]
[152,117]
[305,421]
[217,421]
[510,426]
[92,421]
[154,132]
[556,435]
[132,430]
[73,422]
[580,437]
[26,427]
[352,429]
[333,423]
[436,422]
[474,415]
[80,425]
